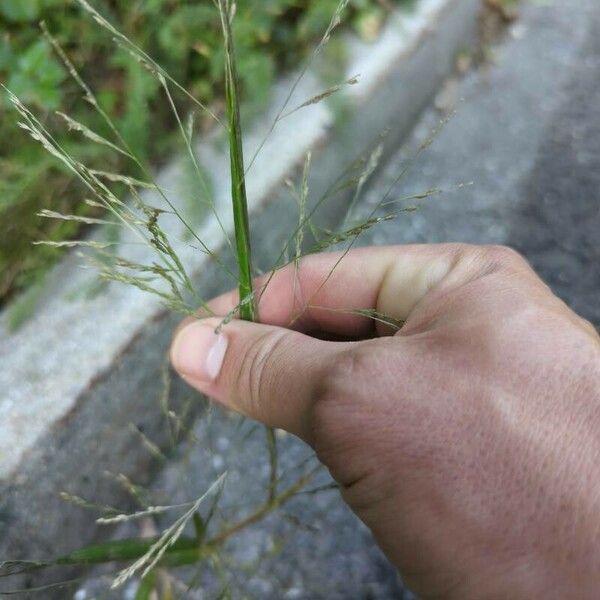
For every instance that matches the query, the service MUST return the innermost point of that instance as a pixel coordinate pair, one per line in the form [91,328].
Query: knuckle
[348,418]
[503,257]
[459,248]
[336,414]
[341,376]
[256,369]
[489,259]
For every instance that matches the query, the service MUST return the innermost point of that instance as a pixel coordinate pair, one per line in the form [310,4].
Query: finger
[321,293]
[264,372]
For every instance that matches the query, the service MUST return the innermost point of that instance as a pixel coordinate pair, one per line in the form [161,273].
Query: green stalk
[248,309]
[238,183]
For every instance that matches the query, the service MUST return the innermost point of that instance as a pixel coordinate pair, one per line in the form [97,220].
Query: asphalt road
[526,136]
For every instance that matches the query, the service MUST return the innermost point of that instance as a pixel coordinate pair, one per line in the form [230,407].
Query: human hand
[469,441]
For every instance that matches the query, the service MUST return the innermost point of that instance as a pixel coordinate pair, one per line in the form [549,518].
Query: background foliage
[183,36]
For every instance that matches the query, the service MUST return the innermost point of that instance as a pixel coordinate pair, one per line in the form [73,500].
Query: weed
[185,38]
[166,276]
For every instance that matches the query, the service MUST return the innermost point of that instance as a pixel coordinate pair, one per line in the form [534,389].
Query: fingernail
[198,352]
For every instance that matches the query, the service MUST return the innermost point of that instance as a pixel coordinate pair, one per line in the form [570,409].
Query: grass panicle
[166,276]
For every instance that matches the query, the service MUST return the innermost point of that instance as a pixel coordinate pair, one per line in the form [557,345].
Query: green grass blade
[121,551]
[147,586]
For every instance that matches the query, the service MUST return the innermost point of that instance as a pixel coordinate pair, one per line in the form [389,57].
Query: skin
[468,441]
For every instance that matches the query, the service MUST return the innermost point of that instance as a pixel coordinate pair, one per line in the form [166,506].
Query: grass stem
[238,184]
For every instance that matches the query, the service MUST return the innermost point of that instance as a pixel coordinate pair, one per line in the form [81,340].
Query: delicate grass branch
[264,510]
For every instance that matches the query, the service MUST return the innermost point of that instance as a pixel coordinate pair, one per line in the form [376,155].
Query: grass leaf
[156,550]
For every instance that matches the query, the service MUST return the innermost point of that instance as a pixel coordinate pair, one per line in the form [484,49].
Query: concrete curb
[81,371]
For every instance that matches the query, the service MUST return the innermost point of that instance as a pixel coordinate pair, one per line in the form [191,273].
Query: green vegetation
[126,122]
[165,275]
[184,36]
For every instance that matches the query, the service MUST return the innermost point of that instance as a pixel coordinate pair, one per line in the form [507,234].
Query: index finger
[323,290]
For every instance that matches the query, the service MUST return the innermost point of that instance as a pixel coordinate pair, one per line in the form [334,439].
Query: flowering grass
[119,199]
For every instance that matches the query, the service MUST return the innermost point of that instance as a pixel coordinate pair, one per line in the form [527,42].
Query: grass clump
[184,36]
[192,538]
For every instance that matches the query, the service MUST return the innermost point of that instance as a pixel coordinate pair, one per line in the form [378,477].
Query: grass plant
[167,277]
[272,37]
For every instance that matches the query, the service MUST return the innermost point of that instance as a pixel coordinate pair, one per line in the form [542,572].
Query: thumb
[266,373]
